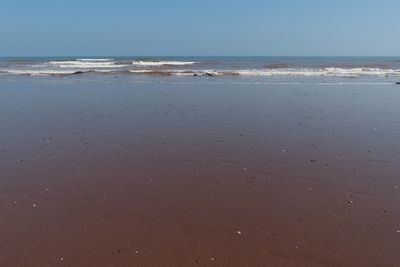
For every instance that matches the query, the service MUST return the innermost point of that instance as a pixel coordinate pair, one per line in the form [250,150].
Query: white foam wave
[49,72]
[328,72]
[306,72]
[37,72]
[72,67]
[86,64]
[162,63]
[141,71]
[94,59]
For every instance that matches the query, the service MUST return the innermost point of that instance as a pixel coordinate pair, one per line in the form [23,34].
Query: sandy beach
[120,173]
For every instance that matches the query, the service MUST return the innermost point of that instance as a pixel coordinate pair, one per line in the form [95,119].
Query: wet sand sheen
[128,174]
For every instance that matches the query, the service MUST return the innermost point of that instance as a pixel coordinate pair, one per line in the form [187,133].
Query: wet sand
[176,174]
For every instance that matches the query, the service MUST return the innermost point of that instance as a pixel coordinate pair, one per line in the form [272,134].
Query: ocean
[214,69]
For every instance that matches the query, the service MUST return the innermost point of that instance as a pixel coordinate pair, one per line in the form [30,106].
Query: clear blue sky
[199,27]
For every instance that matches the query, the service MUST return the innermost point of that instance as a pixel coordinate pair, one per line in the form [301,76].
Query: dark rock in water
[77,72]
[195,74]
[209,74]
[398,83]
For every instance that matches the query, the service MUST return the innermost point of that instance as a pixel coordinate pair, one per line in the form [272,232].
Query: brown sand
[129,174]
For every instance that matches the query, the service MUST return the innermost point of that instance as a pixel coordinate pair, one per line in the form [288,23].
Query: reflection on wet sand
[118,174]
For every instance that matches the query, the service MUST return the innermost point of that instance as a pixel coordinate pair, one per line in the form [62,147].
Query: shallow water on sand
[112,172]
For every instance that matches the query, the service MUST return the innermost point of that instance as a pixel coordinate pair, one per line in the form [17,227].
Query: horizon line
[152,56]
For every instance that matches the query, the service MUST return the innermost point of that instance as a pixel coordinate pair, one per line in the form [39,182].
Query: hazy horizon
[195,56]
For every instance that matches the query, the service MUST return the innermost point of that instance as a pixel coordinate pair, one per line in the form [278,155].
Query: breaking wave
[326,72]
[162,63]
[50,72]
[94,59]
[214,67]
[87,64]
[73,67]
